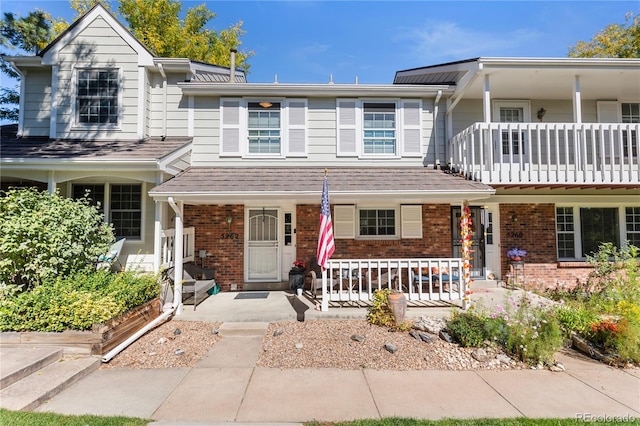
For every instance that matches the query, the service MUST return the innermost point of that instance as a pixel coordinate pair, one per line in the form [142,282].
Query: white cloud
[442,41]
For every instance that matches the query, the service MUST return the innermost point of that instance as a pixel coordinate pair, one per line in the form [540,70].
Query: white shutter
[347,112]
[411,217]
[231,113]
[296,127]
[608,112]
[344,222]
[411,113]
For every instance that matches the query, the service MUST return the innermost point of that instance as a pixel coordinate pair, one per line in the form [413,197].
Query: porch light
[541,113]
[265,105]
[229,220]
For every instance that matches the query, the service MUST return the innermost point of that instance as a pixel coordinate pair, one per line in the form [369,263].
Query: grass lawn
[24,418]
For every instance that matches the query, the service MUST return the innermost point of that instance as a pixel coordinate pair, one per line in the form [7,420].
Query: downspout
[177,296]
[436,108]
[164,101]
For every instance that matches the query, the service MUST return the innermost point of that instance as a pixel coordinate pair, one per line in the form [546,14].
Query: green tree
[157,24]
[614,41]
[45,235]
[27,34]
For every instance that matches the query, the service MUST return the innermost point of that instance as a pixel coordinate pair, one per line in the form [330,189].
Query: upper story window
[379,128]
[379,122]
[97,95]
[264,128]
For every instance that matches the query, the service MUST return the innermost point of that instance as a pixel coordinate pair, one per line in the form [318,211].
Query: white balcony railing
[548,153]
[355,280]
[167,238]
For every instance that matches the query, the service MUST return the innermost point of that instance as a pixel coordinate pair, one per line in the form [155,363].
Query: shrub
[76,302]
[46,235]
[576,319]
[380,312]
[468,329]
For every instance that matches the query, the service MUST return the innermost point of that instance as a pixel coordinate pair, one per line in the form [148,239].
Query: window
[581,230]
[377,222]
[565,232]
[511,115]
[124,208]
[97,96]
[632,218]
[379,124]
[264,128]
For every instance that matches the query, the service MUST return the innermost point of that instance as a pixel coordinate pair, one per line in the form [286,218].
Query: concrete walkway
[227,387]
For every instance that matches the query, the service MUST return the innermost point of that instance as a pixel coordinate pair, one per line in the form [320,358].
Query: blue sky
[307,41]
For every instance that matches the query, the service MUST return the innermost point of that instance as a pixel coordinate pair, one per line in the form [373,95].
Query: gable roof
[50,53]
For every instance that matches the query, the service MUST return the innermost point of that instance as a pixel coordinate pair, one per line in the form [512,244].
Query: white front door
[263,245]
[492,239]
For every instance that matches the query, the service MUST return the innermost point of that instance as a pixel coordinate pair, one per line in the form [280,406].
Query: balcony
[548,153]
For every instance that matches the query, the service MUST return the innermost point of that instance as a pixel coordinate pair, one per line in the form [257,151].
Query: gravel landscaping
[344,344]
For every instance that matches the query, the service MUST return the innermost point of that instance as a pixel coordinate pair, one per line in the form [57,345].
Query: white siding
[37,102]
[98,46]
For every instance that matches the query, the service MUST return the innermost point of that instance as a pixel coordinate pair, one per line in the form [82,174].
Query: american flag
[326,245]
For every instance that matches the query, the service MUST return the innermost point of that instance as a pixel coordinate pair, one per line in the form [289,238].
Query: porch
[426,282]
[548,153]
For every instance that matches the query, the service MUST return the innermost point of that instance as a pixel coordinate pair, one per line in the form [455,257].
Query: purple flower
[516,252]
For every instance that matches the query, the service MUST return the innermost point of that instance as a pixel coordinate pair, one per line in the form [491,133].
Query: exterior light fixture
[229,220]
[265,104]
[541,113]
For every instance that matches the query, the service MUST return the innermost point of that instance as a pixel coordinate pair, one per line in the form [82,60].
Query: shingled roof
[204,184]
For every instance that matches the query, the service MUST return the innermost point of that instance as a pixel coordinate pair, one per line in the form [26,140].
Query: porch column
[178,250]
[51,182]
[577,101]
[486,100]
[157,235]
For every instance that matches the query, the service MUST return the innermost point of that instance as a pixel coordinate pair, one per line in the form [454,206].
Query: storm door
[263,245]
[477,239]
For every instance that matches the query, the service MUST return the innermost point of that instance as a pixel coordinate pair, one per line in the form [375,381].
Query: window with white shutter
[347,111]
[411,112]
[231,112]
[296,113]
[344,222]
[411,221]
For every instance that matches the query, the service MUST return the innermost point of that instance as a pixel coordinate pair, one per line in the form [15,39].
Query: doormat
[252,295]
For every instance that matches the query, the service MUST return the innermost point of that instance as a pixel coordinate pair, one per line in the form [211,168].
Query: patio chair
[111,259]
[316,284]
[193,291]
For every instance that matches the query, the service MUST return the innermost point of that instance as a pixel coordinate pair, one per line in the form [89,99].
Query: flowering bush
[300,264]
[516,252]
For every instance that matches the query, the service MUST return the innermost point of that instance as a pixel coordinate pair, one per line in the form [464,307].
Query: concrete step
[243,329]
[19,362]
[43,384]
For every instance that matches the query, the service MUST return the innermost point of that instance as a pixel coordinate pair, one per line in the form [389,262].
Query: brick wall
[534,231]
[224,244]
[436,241]
[532,227]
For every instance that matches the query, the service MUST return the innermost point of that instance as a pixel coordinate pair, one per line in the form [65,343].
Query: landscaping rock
[390,347]
[480,355]
[179,352]
[427,338]
[299,346]
[430,325]
[162,340]
[444,335]
[278,332]
[504,359]
[357,338]
[557,367]
[177,331]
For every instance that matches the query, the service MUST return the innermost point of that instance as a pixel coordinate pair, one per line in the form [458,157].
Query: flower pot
[516,259]
[398,305]
[299,291]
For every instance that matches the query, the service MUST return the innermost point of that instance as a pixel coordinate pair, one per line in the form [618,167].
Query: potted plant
[516,254]
[296,276]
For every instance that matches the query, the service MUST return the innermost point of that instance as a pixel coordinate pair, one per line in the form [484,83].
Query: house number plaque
[512,234]
[229,236]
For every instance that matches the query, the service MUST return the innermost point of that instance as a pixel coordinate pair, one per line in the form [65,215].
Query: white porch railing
[548,153]
[167,238]
[354,280]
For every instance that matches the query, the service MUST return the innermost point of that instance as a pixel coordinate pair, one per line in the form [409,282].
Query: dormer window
[97,93]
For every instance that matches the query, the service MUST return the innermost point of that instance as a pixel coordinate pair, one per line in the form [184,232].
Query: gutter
[436,108]
[164,101]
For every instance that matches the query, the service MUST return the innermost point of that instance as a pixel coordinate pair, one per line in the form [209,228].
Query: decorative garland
[466,233]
